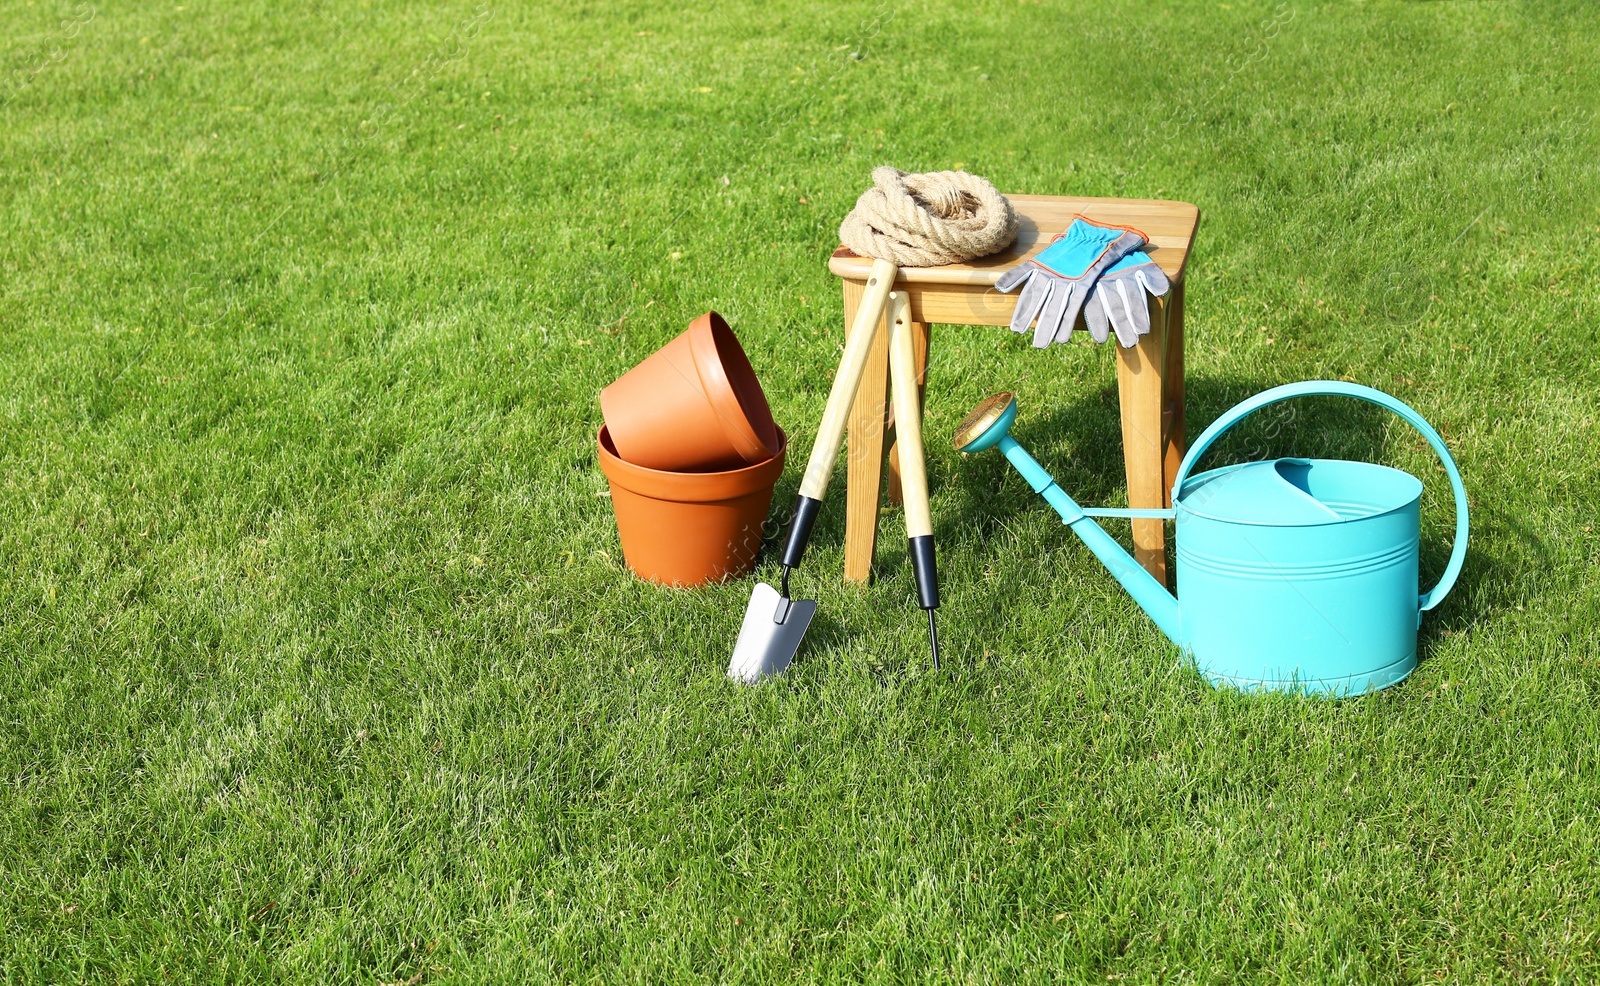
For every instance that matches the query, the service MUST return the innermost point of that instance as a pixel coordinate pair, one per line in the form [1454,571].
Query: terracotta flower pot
[693,406]
[688,528]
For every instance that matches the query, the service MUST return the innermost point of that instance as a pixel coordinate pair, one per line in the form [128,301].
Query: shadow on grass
[1508,561]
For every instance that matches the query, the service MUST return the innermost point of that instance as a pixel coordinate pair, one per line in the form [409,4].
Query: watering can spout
[989,426]
[1151,595]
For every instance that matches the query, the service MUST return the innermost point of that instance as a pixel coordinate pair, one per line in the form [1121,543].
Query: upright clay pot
[693,406]
[689,528]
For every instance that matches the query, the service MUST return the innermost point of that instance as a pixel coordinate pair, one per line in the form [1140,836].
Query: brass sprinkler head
[983,418]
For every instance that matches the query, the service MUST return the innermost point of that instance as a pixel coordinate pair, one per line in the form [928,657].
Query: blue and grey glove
[1060,277]
[1118,300]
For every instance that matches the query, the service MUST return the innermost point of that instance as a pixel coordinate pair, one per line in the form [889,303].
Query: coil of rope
[928,219]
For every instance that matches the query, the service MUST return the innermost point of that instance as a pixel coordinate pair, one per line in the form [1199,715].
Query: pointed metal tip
[933,638]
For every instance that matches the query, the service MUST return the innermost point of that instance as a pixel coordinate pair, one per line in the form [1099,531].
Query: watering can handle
[1337,388]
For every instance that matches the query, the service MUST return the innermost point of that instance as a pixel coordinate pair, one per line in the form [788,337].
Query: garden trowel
[774,622]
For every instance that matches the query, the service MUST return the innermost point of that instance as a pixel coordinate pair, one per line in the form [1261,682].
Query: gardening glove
[1059,278]
[1117,300]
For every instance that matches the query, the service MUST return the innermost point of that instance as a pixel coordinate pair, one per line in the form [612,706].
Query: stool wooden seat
[1149,376]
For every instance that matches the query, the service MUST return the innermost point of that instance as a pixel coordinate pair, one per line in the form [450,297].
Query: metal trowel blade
[765,645]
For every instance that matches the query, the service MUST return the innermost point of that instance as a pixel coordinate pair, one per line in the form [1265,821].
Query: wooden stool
[1149,376]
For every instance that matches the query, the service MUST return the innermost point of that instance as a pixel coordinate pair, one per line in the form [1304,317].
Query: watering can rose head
[987,423]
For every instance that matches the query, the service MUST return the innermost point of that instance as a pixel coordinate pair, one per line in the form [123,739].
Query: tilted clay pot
[693,406]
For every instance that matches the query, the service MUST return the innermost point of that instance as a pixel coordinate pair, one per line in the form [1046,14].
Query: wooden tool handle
[830,434]
[908,417]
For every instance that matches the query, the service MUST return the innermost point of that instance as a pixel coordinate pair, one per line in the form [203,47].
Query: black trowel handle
[805,517]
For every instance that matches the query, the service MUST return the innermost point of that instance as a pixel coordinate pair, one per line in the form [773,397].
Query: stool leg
[864,457]
[1172,415]
[1141,373]
[919,342]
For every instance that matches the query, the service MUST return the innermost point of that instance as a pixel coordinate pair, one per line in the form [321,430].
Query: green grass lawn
[318,661]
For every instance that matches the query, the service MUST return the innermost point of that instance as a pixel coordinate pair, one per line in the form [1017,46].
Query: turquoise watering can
[1293,574]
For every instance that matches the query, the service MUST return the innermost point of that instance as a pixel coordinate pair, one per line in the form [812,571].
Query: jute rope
[924,220]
